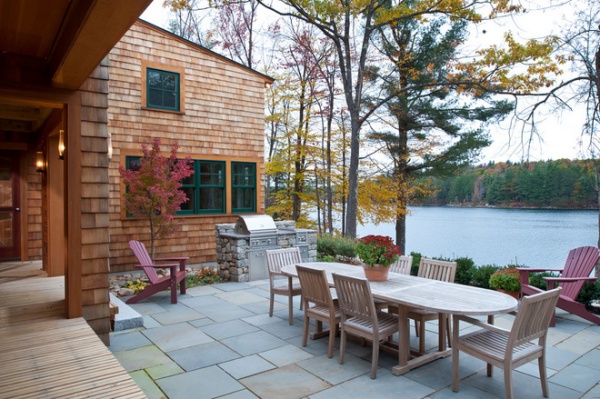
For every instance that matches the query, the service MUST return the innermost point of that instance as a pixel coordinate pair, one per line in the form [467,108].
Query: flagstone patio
[219,342]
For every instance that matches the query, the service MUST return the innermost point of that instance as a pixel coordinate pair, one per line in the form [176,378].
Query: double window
[207,188]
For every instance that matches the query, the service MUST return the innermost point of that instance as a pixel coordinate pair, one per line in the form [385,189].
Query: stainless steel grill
[255,225]
[262,233]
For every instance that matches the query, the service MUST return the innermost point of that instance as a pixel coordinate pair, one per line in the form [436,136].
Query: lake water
[535,238]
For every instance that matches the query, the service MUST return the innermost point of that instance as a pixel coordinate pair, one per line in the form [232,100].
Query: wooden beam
[91,30]
[18,112]
[13,146]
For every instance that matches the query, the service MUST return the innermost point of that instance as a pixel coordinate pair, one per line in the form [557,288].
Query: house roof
[196,46]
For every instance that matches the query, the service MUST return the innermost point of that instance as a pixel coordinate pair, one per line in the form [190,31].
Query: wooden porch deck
[45,355]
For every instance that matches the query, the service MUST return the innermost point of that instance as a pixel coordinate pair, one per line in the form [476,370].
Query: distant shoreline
[470,205]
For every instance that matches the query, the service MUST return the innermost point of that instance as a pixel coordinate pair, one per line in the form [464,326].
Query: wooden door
[10,227]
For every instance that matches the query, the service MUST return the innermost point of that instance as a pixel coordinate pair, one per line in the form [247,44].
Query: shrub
[506,279]
[204,276]
[414,270]
[537,279]
[589,292]
[335,247]
[481,275]
[464,270]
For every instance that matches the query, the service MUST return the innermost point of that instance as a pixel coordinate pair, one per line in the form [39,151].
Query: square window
[162,91]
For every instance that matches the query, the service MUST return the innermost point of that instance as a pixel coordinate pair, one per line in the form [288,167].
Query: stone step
[126,318]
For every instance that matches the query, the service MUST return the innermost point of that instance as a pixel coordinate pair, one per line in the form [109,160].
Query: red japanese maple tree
[153,188]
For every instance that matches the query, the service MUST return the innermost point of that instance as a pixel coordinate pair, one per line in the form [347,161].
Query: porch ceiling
[54,44]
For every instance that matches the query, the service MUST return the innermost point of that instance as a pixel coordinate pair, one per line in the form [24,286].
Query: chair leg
[375,358]
[291,309]
[332,331]
[173,289]
[543,377]
[305,330]
[448,330]
[342,345]
[271,301]
[455,364]
[508,383]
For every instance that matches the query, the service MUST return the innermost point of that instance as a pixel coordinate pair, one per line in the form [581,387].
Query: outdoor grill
[242,246]
[262,234]
[255,225]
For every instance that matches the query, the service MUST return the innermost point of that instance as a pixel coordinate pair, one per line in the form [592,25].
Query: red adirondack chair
[578,267]
[158,283]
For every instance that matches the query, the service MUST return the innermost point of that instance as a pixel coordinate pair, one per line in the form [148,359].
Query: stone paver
[219,342]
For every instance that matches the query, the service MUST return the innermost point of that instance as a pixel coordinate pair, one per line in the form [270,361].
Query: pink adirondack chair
[578,267]
[158,283]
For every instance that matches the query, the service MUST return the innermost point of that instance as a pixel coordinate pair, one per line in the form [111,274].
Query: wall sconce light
[61,144]
[110,147]
[40,162]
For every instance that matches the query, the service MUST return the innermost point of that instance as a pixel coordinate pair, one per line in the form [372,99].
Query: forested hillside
[560,184]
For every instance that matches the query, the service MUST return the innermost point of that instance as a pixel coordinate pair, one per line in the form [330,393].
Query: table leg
[443,326]
[403,336]
[405,361]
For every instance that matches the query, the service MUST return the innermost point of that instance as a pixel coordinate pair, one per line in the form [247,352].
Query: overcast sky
[561,132]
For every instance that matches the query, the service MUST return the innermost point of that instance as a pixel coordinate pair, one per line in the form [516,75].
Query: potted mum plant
[377,253]
[506,280]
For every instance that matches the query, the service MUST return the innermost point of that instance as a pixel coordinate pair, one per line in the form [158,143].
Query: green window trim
[207,188]
[243,187]
[162,89]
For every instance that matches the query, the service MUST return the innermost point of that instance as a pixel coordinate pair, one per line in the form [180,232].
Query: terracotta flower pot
[376,273]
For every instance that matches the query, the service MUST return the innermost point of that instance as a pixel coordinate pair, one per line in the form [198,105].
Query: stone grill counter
[241,247]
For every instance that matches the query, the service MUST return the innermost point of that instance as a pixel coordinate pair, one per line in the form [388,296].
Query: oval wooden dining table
[415,292]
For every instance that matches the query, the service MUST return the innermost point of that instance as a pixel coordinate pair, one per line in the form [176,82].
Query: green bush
[537,279]
[464,270]
[506,279]
[335,247]
[481,275]
[589,292]
[325,246]
[414,270]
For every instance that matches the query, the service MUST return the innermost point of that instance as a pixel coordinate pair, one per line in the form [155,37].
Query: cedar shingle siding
[221,118]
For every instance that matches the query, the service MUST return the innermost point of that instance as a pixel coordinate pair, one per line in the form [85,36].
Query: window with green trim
[205,188]
[243,187]
[162,89]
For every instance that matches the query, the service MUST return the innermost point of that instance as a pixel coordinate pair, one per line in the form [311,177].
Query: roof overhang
[58,43]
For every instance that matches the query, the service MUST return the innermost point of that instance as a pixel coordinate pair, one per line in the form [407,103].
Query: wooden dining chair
[402,265]
[509,349]
[436,270]
[280,284]
[359,316]
[318,303]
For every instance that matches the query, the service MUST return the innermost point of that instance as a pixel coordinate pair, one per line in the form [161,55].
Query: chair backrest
[580,263]
[277,258]
[314,286]
[533,318]
[355,298]
[437,270]
[141,254]
[402,265]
